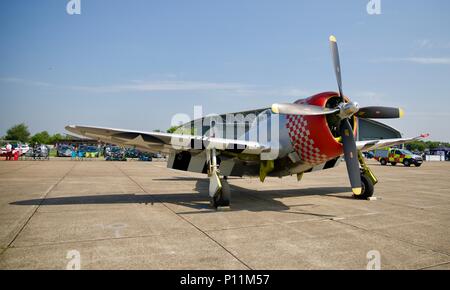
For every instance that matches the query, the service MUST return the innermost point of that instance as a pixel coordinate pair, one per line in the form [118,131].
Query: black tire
[383,161]
[222,198]
[418,164]
[393,163]
[407,163]
[367,188]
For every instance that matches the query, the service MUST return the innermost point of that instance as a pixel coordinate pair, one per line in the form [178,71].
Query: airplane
[310,134]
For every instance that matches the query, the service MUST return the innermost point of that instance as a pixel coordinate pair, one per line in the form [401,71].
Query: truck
[396,155]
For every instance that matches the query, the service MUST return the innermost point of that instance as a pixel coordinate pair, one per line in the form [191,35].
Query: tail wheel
[367,188]
[222,198]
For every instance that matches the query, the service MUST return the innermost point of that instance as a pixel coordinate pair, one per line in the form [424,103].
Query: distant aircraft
[309,135]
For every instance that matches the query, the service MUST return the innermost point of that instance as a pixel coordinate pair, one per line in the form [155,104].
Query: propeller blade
[380,113]
[336,64]
[301,109]
[351,156]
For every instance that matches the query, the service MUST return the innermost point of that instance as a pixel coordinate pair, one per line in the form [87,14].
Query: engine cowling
[316,138]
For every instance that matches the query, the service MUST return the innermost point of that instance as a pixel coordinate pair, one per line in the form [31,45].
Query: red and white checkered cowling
[311,136]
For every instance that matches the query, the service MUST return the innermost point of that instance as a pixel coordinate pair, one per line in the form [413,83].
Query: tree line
[426,145]
[21,133]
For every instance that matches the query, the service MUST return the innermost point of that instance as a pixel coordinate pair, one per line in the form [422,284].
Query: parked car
[39,151]
[368,155]
[145,156]
[394,156]
[64,151]
[132,153]
[156,155]
[17,146]
[90,151]
[115,153]
[22,148]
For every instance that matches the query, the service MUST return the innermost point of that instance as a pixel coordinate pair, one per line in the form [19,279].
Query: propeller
[297,109]
[345,110]
[380,113]
[345,129]
[351,156]
[337,65]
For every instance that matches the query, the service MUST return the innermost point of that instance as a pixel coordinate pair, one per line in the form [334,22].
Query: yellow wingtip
[357,190]
[333,38]
[401,113]
[275,109]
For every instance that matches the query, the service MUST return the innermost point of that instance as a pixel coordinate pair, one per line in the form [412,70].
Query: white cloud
[428,60]
[424,44]
[418,60]
[139,86]
[229,88]
[25,82]
[431,44]
[159,86]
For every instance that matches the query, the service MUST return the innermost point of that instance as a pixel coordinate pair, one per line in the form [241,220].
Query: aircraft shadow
[198,201]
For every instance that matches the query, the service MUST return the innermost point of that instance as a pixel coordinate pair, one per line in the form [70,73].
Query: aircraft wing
[375,144]
[165,142]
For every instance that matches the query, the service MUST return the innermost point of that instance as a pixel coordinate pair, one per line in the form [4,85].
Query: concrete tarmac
[140,215]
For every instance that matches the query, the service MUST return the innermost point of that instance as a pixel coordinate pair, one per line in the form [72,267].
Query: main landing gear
[368,180]
[219,189]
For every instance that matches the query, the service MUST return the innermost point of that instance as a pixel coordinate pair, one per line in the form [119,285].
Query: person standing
[74,152]
[8,151]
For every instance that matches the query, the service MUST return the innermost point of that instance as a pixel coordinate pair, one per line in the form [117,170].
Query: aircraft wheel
[223,197]
[367,188]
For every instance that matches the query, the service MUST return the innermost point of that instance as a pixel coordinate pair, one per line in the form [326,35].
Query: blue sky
[134,64]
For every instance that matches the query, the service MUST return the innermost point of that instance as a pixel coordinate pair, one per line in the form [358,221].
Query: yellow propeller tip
[333,38]
[357,190]
[401,113]
[275,109]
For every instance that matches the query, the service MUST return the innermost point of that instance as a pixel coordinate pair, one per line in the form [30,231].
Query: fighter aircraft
[305,136]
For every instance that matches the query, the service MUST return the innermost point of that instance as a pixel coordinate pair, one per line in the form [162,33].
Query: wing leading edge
[375,144]
[165,142]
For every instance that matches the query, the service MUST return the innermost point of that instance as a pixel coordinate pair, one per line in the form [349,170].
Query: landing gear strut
[219,189]
[368,179]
